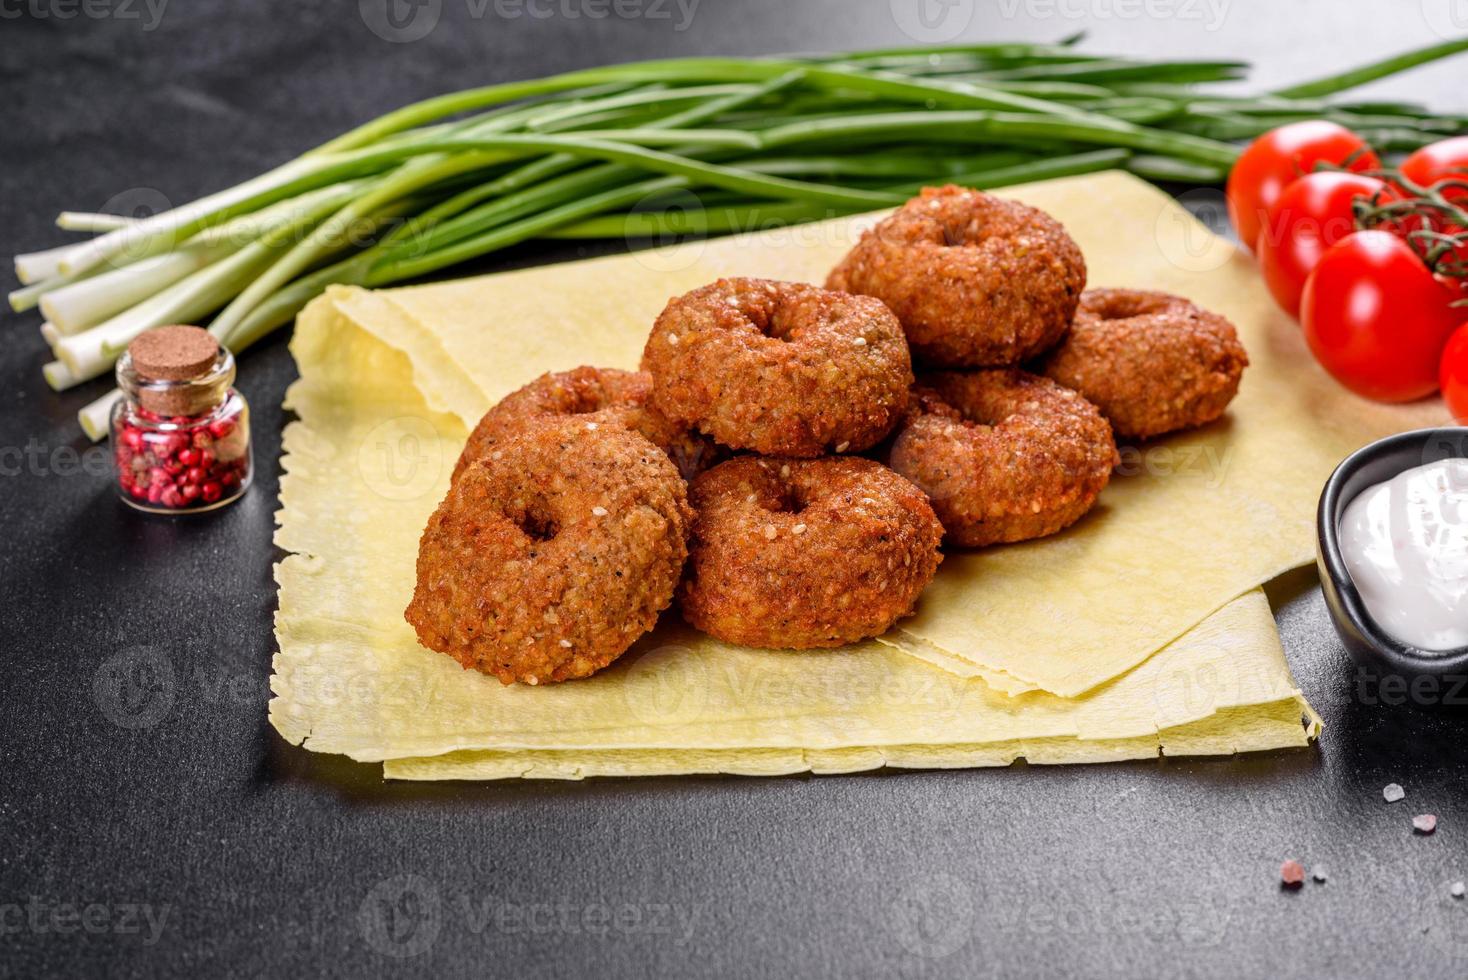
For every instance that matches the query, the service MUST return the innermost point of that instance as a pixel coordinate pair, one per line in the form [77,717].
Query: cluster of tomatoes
[1370,260]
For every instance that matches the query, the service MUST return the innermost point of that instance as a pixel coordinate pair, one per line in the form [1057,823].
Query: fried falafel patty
[1151,362]
[803,553]
[976,281]
[600,395]
[780,368]
[1004,455]
[552,553]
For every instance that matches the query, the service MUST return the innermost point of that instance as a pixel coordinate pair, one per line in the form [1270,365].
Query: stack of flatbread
[1139,630]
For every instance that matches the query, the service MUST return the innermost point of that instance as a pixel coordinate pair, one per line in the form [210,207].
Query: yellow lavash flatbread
[1230,730]
[368,461]
[1199,518]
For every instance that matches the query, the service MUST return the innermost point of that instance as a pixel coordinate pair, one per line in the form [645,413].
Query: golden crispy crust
[602,395]
[1151,362]
[975,280]
[795,554]
[780,368]
[1004,455]
[552,553]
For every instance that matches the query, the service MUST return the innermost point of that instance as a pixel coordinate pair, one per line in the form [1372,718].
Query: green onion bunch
[656,149]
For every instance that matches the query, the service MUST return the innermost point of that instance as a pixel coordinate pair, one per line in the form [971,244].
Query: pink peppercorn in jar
[180,433]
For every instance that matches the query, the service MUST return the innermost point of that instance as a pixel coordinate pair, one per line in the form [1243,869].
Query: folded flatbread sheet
[390,382]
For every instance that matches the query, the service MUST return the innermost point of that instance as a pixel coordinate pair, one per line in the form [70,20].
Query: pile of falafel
[777,468]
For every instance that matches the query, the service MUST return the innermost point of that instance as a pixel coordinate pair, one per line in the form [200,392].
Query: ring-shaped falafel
[803,553]
[976,281]
[1004,455]
[780,368]
[1151,362]
[552,553]
[599,395]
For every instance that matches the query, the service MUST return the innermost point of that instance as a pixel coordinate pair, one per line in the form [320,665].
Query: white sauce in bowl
[1405,542]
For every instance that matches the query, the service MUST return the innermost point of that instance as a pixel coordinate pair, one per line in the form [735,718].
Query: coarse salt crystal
[496,455]
[532,681]
[1424,823]
[1292,873]
[599,511]
[566,644]
[798,529]
[1392,792]
[770,532]
[1458,890]
[860,342]
[673,339]
[868,501]
[590,426]
[1318,873]
[842,447]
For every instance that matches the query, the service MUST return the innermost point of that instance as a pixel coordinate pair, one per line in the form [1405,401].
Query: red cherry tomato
[1439,161]
[1310,216]
[1376,318]
[1454,374]
[1275,160]
[1443,160]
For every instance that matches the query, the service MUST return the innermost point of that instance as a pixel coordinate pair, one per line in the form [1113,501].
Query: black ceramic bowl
[1371,646]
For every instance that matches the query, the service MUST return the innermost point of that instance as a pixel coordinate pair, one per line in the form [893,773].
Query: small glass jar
[180,432]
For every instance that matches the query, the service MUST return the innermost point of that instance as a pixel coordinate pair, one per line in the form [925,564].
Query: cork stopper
[176,353]
[172,367]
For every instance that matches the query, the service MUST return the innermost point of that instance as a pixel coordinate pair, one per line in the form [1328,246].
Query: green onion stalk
[653,150]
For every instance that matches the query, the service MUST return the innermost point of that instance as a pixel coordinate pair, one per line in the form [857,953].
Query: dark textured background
[264,859]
